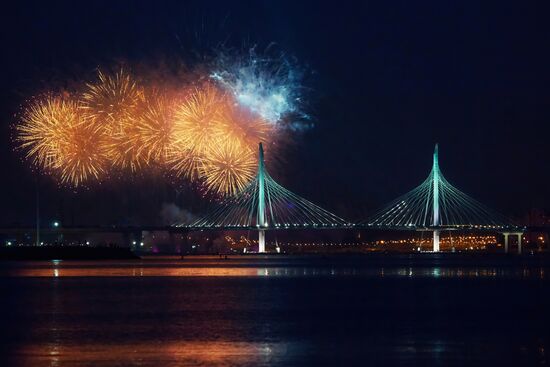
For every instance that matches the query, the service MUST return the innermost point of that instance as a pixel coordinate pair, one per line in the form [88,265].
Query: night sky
[386,81]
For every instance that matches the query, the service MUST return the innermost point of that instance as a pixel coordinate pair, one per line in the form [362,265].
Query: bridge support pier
[436,241]
[507,244]
[261,241]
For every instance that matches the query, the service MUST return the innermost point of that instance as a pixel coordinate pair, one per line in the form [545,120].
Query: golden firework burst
[113,103]
[43,127]
[244,126]
[82,155]
[228,168]
[195,129]
[59,140]
[112,99]
[154,129]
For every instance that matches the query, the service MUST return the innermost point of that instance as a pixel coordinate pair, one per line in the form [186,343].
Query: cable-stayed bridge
[435,205]
[266,205]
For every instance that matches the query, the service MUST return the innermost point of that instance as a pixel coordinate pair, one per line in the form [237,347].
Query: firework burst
[207,135]
[195,129]
[112,103]
[241,125]
[82,155]
[268,86]
[113,99]
[42,129]
[58,140]
[154,129]
[228,169]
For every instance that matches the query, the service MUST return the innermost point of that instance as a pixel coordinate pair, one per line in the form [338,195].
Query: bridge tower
[261,222]
[436,174]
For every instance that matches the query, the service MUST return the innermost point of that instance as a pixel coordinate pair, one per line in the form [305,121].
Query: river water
[396,310]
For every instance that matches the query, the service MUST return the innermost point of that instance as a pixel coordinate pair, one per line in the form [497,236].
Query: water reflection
[154,353]
[186,353]
[152,269]
[261,313]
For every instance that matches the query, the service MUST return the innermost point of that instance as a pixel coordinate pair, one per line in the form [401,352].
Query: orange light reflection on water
[149,270]
[154,353]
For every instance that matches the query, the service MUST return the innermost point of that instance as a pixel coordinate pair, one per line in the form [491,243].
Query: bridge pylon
[261,215]
[435,182]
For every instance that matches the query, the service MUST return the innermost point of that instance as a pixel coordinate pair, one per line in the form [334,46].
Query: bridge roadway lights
[137,240]
[506,244]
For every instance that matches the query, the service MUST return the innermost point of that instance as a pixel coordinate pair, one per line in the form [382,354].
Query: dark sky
[388,80]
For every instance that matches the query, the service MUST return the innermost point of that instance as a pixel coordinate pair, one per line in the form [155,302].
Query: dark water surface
[399,310]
